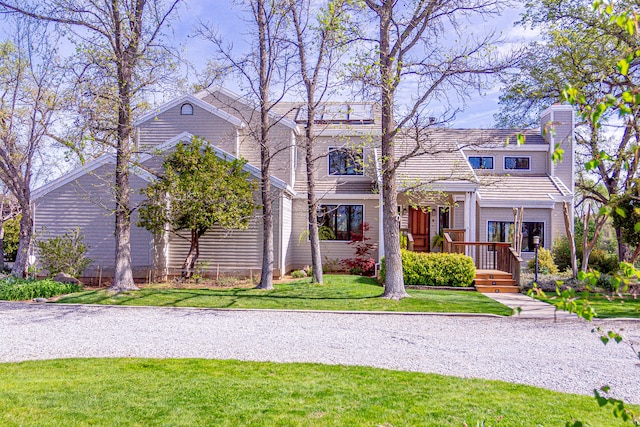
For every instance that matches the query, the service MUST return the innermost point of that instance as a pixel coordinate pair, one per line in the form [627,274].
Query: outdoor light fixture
[536,245]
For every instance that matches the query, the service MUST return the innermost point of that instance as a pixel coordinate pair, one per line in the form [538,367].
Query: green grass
[604,307]
[340,292]
[195,392]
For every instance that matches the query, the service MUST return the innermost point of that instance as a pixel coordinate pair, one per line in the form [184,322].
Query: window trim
[334,149]
[504,163]
[542,240]
[493,162]
[182,109]
[338,205]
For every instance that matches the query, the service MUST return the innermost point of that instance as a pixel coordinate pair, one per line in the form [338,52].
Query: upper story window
[345,161]
[481,162]
[341,222]
[186,110]
[517,163]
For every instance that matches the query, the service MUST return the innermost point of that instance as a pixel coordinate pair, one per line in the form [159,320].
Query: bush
[298,274]
[64,254]
[562,253]
[13,289]
[11,238]
[545,262]
[435,269]
[603,262]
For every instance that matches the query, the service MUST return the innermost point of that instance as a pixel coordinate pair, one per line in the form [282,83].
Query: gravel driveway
[562,356]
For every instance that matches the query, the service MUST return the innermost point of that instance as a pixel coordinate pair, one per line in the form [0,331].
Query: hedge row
[13,289]
[435,269]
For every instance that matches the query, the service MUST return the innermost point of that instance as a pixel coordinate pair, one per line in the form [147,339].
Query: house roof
[85,169]
[191,100]
[274,114]
[438,162]
[516,191]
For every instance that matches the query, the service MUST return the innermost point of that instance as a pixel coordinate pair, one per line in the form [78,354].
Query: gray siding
[88,203]
[202,123]
[221,251]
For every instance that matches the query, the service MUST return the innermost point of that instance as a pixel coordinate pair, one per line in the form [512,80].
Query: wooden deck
[495,281]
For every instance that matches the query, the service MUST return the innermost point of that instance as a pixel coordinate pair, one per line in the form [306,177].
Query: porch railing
[486,255]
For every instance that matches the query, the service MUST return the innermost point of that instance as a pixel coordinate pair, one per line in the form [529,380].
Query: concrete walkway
[531,308]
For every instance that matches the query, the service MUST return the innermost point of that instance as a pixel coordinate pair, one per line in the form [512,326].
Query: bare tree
[319,43]
[117,40]
[264,72]
[29,98]
[413,47]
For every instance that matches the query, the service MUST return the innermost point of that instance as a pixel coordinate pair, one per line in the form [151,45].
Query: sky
[478,112]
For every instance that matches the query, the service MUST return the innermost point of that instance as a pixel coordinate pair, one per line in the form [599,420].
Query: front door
[419,227]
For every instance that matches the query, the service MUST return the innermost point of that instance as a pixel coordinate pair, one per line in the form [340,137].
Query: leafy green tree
[591,52]
[196,192]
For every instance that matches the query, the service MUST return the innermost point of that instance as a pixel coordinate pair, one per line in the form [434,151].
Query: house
[468,180]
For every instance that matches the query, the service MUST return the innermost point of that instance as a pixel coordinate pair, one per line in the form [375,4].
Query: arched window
[186,110]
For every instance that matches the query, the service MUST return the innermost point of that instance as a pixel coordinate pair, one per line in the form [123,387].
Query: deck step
[503,289]
[495,281]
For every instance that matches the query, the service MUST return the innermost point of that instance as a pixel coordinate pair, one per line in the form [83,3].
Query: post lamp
[536,245]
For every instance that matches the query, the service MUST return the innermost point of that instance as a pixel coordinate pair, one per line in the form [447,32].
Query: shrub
[562,253]
[64,254]
[435,269]
[14,289]
[298,274]
[545,262]
[362,264]
[603,262]
[11,238]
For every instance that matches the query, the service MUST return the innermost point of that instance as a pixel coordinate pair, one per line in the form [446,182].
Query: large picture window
[345,161]
[502,231]
[342,222]
[517,163]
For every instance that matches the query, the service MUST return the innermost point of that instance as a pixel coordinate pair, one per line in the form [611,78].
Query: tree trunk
[123,275]
[394,278]
[572,239]
[266,276]
[188,267]
[26,232]
[312,202]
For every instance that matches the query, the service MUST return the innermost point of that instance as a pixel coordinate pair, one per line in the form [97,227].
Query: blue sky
[226,18]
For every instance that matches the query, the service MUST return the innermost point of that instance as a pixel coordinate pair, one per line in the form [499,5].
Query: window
[478,162]
[518,163]
[443,218]
[342,222]
[345,161]
[186,110]
[502,231]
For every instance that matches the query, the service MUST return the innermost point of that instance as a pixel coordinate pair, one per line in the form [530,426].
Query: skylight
[339,113]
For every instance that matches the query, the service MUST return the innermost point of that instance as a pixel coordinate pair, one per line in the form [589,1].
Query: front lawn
[605,307]
[340,292]
[195,392]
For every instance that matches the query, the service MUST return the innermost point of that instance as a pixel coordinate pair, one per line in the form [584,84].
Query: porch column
[472,208]
[467,216]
